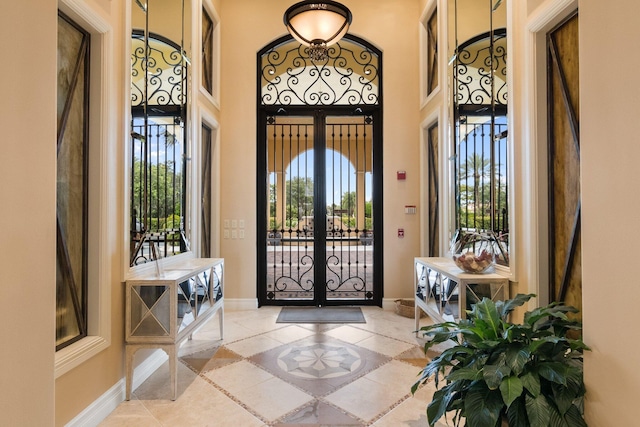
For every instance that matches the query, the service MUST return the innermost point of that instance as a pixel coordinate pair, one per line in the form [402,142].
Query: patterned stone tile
[319,364]
[414,356]
[206,360]
[318,413]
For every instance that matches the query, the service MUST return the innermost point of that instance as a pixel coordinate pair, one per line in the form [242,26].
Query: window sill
[77,353]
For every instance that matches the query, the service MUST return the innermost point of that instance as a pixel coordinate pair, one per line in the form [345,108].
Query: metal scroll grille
[350,76]
[320,210]
[158,75]
[480,70]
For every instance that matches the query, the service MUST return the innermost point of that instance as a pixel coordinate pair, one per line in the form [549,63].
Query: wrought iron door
[565,282]
[319,241]
[319,174]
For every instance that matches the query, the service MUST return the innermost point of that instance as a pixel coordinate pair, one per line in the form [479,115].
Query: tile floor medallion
[319,364]
[285,375]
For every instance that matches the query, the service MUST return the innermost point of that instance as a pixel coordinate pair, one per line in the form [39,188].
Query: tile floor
[275,374]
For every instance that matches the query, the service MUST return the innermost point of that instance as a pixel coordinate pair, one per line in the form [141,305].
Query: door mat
[321,315]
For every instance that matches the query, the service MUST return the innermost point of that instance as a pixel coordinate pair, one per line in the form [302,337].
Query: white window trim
[100,140]
[214,97]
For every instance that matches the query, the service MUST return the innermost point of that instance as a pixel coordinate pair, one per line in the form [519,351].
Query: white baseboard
[97,411]
[389,304]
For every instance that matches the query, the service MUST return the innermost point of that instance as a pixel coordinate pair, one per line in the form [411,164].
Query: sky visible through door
[302,165]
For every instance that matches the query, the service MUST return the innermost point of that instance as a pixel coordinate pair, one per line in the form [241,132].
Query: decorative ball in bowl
[470,262]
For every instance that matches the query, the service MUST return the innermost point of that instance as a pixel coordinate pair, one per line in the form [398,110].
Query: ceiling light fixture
[318,25]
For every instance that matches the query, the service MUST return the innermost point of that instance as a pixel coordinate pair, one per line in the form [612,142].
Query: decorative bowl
[470,262]
[472,251]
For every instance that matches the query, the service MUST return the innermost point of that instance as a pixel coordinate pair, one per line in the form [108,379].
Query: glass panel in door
[290,231]
[349,209]
[320,216]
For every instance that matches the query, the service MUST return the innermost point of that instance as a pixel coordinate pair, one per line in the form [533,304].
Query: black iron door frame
[320,217]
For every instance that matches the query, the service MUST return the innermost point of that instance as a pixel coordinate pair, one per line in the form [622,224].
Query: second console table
[445,292]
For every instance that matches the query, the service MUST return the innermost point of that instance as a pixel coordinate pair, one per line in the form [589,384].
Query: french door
[319,201]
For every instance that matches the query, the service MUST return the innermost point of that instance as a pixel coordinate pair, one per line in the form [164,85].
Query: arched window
[350,76]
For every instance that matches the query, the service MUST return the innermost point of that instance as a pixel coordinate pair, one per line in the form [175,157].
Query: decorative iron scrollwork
[349,76]
[288,283]
[166,83]
[338,279]
[473,70]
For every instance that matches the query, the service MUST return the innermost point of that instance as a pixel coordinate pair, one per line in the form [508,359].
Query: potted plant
[497,372]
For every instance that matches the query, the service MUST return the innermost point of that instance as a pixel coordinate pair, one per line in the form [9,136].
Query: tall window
[207,51]
[432,52]
[205,238]
[433,154]
[72,182]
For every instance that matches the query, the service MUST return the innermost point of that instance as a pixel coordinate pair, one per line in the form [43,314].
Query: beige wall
[28,239]
[247,26]
[474,18]
[164,18]
[610,208]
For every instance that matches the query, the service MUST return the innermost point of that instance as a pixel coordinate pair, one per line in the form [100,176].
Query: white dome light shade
[317,24]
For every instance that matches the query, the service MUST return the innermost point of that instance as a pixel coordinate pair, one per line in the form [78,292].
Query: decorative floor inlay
[319,361]
[319,364]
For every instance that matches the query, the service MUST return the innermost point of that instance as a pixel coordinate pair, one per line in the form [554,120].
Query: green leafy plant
[528,374]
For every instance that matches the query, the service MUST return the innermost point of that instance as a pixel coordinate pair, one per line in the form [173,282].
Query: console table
[445,292]
[165,308]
